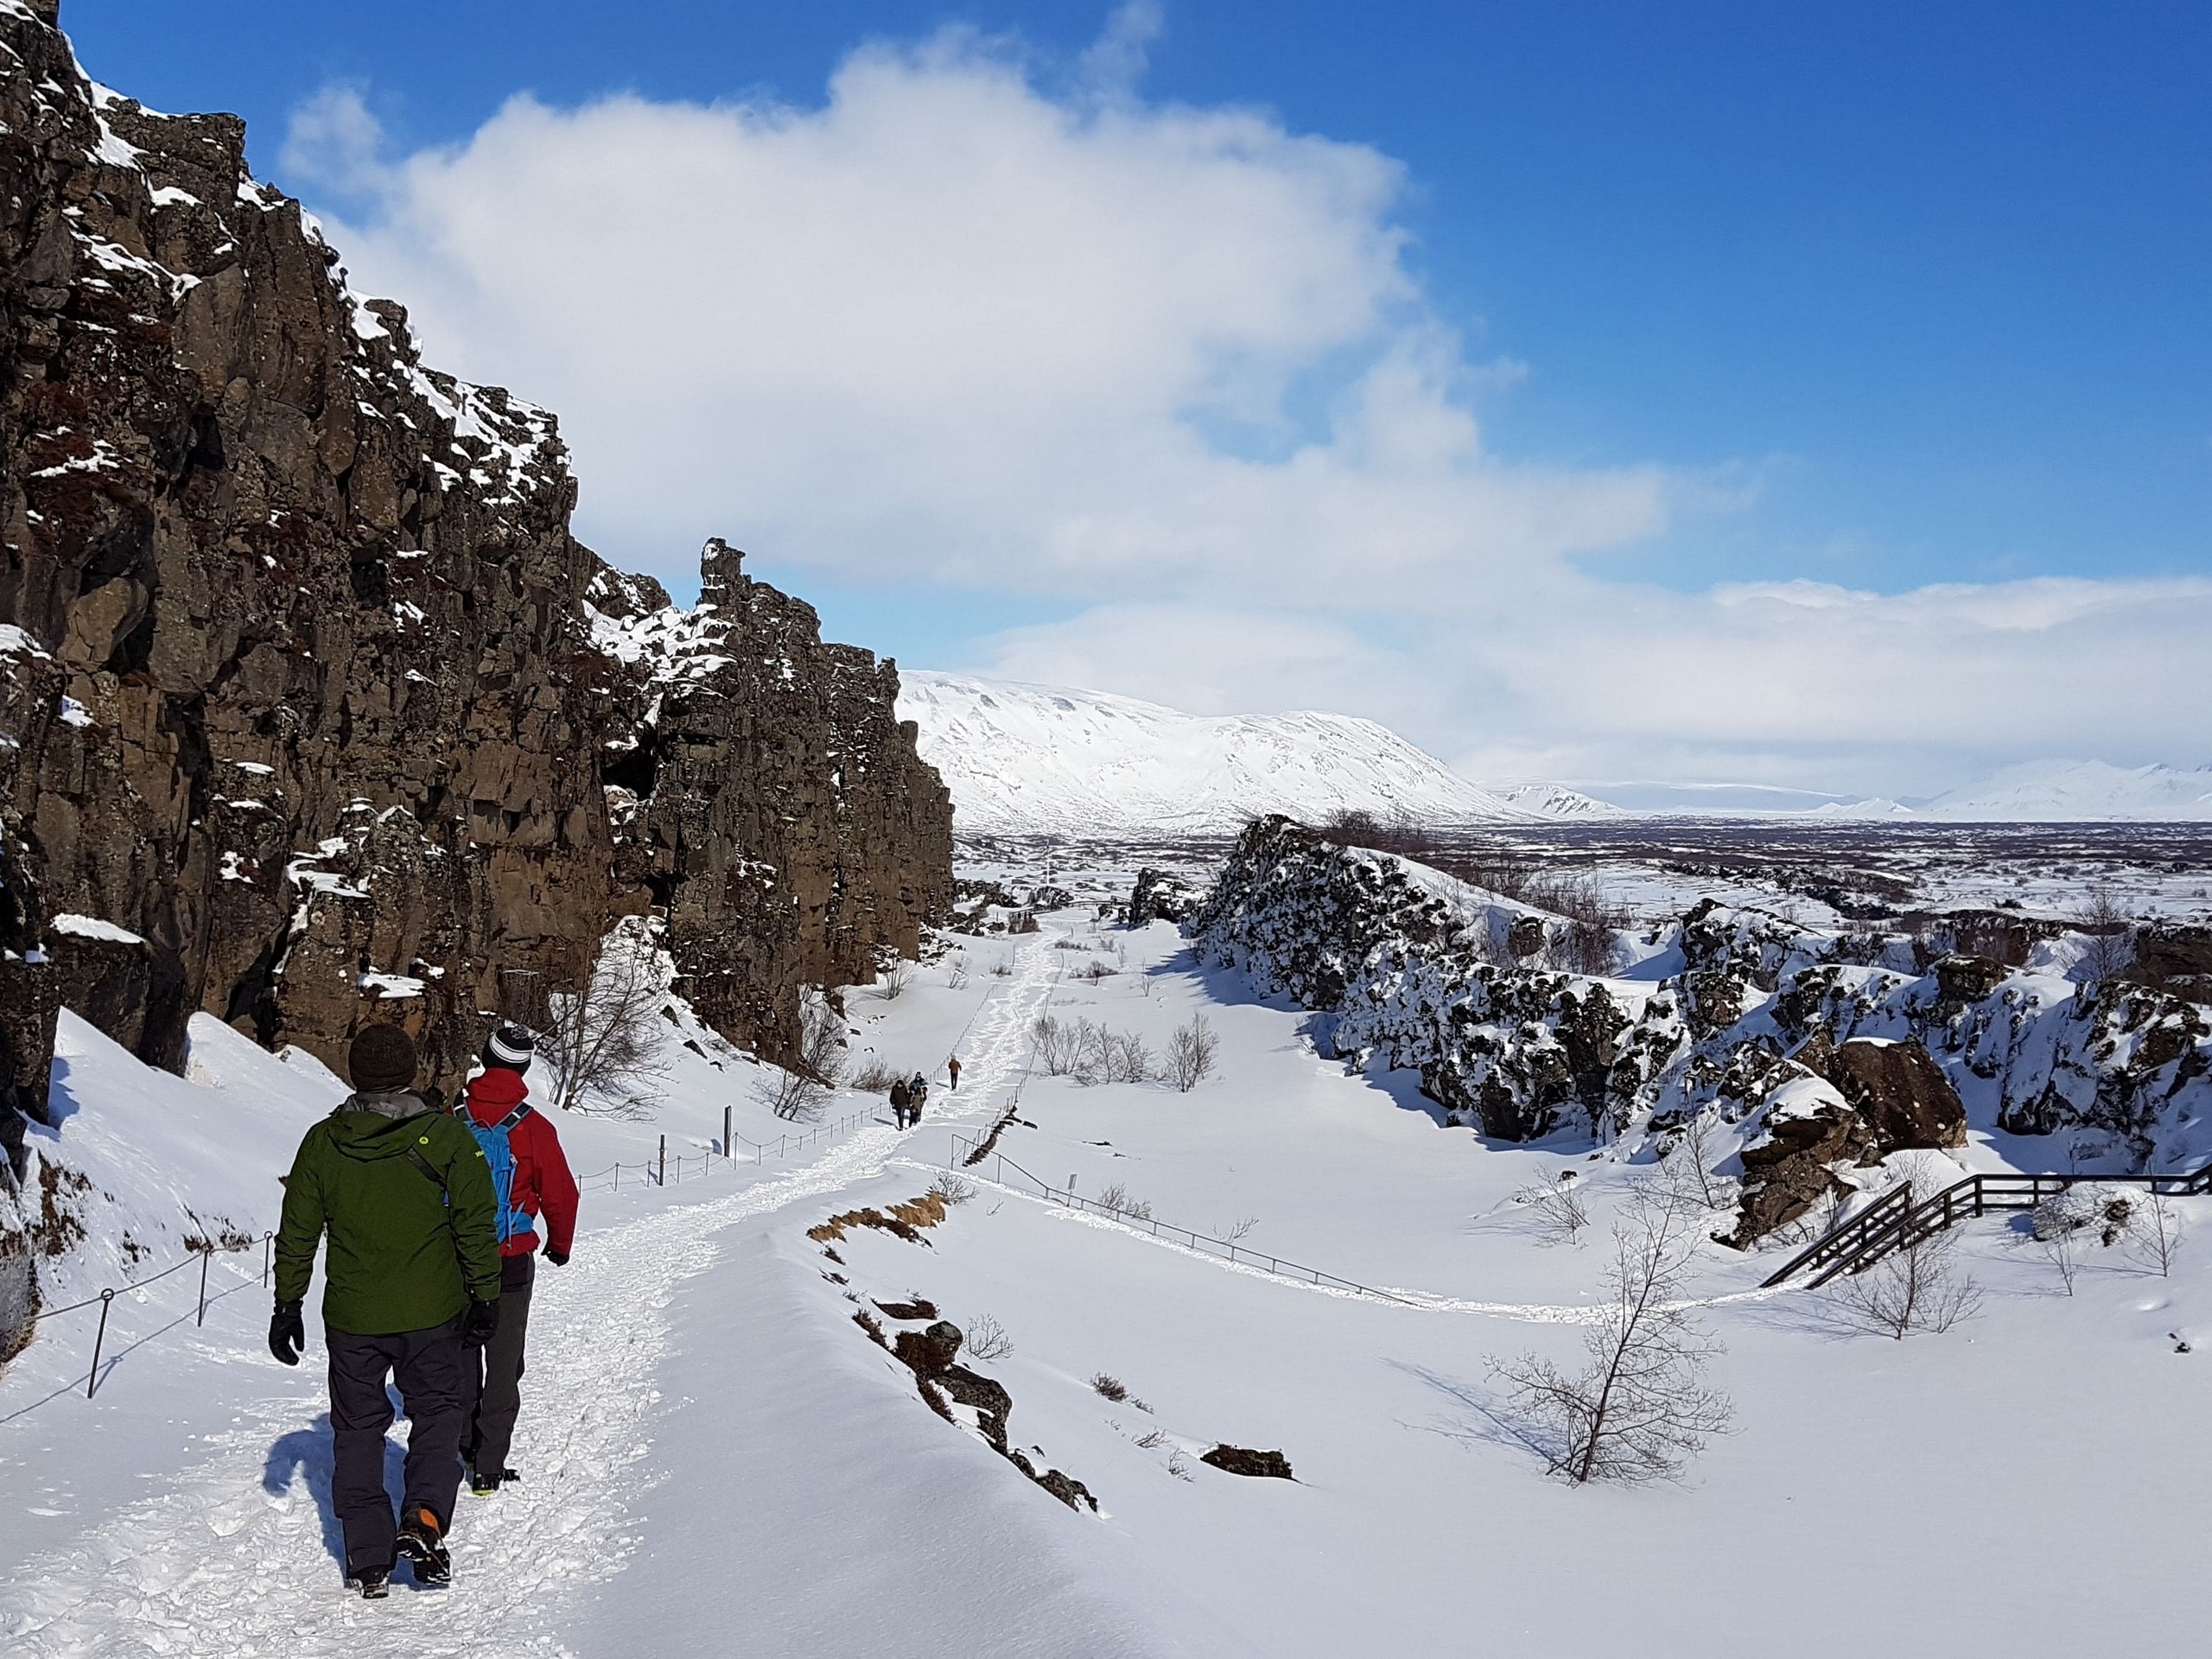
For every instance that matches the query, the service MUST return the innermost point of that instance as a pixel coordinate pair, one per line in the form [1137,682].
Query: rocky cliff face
[1794,1057]
[307,689]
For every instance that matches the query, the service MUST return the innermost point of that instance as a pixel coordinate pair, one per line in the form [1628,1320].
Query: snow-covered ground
[718,1460]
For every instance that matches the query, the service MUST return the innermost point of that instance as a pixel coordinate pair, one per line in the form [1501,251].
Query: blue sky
[1902,293]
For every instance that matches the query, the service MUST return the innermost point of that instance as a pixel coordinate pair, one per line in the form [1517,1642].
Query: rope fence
[661,1170]
[1205,1243]
[203,1254]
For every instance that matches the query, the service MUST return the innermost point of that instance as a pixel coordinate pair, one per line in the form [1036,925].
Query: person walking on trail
[899,1096]
[531,1178]
[412,1274]
[918,1093]
[952,1071]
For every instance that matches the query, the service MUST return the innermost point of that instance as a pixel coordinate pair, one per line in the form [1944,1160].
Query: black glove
[480,1325]
[558,1258]
[288,1333]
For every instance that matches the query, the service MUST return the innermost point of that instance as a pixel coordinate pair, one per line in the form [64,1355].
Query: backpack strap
[430,1172]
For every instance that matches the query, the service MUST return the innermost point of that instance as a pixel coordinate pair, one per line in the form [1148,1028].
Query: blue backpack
[500,1156]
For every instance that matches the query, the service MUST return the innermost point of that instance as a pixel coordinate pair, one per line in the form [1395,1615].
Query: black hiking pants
[491,1375]
[426,1364]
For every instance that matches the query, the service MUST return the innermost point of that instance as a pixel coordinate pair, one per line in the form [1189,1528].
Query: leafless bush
[2111,936]
[952,1190]
[1002,969]
[1118,1198]
[1584,944]
[1055,1045]
[1240,1230]
[1639,1408]
[893,977]
[2158,1232]
[2062,1249]
[1191,1053]
[1686,1167]
[604,1043]
[1110,1388]
[875,1076]
[956,972]
[986,1339]
[1097,969]
[1403,834]
[1555,1208]
[1919,1288]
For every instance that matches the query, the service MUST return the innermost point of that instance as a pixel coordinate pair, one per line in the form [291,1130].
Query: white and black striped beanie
[510,1046]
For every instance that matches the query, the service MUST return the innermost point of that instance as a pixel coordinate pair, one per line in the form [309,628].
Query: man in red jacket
[531,1174]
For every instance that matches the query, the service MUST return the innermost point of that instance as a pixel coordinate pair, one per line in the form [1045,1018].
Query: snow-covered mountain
[1051,758]
[2082,790]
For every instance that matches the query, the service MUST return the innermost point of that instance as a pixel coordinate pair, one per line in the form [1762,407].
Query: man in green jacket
[413,1273]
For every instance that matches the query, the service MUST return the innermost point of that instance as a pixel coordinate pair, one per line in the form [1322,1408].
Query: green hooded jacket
[407,1252]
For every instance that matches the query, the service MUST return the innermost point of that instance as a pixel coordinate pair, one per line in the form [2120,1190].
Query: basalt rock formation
[305,682]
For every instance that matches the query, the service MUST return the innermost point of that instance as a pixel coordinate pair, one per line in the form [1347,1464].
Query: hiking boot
[485,1481]
[419,1541]
[375,1583]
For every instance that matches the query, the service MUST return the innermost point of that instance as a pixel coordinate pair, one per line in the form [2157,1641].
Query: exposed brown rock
[1900,1093]
[1242,1460]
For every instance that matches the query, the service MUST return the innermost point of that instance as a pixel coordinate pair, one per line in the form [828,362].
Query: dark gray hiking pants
[426,1364]
[491,1375]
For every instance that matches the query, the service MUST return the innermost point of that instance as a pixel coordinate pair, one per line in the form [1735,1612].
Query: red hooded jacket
[543,1183]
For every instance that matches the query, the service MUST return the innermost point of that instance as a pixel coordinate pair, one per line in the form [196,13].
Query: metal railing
[1207,1244]
[1896,1221]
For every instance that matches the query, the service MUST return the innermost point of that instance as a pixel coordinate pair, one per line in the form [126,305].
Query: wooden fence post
[662,1179]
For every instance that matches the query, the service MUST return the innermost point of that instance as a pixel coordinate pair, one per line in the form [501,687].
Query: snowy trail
[236,1558]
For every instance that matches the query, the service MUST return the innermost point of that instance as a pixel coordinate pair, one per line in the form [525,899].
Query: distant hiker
[952,1071]
[899,1093]
[918,1093]
[411,1274]
[529,1177]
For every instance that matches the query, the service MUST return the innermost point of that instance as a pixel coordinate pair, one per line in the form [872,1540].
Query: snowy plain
[719,1461]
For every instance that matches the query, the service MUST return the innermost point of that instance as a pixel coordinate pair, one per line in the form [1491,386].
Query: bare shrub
[1192,1051]
[956,972]
[1238,1230]
[1584,942]
[875,1076]
[1002,969]
[1639,1408]
[952,1190]
[1555,1208]
[2062,1249]
[1110,1388]
[604,1043]
[1684,1173]
[1118,1198]
[893,977]
[1917,1288]
[1054,1045]
[1097,969]
[986,1339]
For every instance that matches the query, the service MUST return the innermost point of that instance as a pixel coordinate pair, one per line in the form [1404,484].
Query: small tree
[1054,1045]
[2111,936]
[797,1091]
[1638,1409]
[604,1043]
[2158,1232]
[1191,1052]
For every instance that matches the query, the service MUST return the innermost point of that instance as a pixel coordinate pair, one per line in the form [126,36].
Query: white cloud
[952,326]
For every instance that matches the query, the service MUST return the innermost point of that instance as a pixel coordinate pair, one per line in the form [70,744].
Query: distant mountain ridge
[1041,758]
